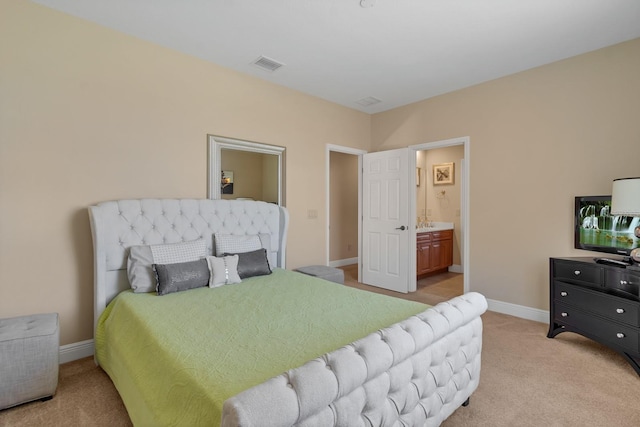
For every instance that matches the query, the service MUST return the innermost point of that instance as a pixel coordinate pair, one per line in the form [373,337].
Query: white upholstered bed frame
[417,371]
[120,224]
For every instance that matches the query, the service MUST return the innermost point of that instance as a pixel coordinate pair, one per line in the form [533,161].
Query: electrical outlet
[349,247]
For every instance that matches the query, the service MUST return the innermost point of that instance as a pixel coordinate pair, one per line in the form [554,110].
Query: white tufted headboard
[120,224]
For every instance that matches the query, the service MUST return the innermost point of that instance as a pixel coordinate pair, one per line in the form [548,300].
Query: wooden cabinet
[601,302]
[434,251]
[423,241]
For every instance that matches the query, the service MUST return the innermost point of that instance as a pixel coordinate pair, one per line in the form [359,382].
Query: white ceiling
[399,51]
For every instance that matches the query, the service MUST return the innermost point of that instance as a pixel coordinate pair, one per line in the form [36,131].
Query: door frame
[464,208]
[356,152]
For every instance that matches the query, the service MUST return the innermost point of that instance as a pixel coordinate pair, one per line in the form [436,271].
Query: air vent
[369,100]
[267,64]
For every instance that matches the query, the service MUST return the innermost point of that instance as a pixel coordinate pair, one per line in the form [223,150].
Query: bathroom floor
[431,290]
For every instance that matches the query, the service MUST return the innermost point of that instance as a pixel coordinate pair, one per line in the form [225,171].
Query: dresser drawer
[624,282]
[583,273]
[609,306]
[615,334]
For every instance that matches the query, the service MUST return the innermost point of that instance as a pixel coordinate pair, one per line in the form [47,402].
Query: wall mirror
[245,170]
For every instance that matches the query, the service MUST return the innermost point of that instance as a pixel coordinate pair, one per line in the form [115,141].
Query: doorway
[438,208]
[464,204]
[343,200]
[444,203]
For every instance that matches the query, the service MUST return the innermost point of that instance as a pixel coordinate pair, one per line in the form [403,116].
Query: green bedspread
[176,358]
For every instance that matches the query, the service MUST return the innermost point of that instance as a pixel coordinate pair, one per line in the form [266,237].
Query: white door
[385,220]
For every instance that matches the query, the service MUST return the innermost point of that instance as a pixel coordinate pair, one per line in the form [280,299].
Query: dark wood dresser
[598,301]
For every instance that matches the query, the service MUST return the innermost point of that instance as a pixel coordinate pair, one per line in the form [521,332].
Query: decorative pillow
[223,270]
[254,263]
[141,276]
[181,276]
[233,244]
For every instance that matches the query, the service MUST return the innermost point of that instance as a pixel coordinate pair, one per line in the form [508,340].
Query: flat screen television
[597,230]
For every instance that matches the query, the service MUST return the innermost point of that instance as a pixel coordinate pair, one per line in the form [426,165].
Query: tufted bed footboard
[416,373]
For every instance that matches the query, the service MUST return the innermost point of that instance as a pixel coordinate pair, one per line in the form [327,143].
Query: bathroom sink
[437,226]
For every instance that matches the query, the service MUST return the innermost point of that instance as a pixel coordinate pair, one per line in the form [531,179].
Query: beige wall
[343,216]
[538,138]
[421,189]
[270,178]
[89,114]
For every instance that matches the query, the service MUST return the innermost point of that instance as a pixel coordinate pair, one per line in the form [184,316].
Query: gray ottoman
[322,271]
[29,347]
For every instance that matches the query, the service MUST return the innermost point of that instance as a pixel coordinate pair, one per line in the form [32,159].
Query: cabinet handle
[564,314]
[620,335]
[563,294]
[619,310]
[576,272]
[624,282]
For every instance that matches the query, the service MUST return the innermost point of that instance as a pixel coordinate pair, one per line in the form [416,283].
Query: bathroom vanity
[434,249]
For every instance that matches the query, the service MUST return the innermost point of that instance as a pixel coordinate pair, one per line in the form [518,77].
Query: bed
[276,349]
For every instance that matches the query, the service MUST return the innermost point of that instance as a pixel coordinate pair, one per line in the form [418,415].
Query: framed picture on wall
[443,173]
[226,182]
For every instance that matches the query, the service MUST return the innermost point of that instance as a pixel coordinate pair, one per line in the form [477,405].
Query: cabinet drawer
[441,235]
[609,306]
[613,333]
[587,274]
[423,237]
[627,284]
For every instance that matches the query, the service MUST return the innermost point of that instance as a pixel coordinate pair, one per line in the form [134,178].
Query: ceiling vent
[267,64]
[369,100]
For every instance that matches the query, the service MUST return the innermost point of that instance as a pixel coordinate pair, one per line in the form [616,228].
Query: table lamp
[625,200]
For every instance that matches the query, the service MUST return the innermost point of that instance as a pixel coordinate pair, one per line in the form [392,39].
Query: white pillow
[139,271]
[223,270]
[234,244]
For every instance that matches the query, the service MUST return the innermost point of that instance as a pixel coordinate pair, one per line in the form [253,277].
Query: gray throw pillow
[139,271]
[181,276]
[254,263]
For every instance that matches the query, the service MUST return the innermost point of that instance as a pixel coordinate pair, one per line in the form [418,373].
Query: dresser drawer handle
[619,310]
[564,314]
[620,335]
[576,272]
[624,282]
[563,294]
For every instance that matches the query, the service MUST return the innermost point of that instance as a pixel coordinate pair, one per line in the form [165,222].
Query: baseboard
[521,311]
[456,268]
[343,262]
[75,351]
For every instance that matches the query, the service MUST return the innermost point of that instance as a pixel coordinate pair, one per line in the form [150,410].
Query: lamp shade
[625,197]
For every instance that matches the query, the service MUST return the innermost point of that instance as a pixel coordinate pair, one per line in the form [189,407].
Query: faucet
[424,222]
